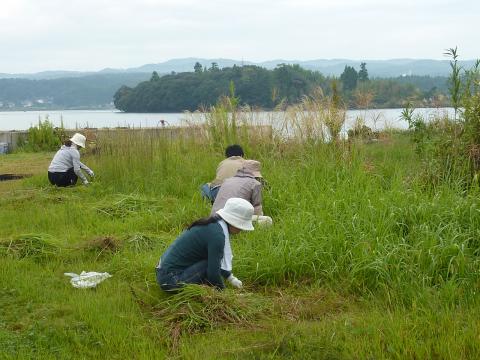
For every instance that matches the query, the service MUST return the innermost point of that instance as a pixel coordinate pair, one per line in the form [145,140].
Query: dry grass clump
[35,246]
[474,154]
[308,305]
[227,123]
[316,118]
[102,245]
[198,308]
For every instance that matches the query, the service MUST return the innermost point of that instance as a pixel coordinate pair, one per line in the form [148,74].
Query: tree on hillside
[349,78]
[155,77]
[121,98]
[292,82]
[198,67]
[363,73]
[214,67]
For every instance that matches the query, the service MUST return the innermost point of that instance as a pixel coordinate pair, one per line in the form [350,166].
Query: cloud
[92,34]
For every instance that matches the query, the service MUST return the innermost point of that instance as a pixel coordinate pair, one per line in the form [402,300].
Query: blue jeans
[194,274]
[209,193]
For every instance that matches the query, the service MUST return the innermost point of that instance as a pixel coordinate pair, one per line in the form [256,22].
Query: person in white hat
[202,253]
[66,167]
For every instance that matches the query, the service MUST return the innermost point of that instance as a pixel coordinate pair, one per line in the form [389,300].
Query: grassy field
[363,262]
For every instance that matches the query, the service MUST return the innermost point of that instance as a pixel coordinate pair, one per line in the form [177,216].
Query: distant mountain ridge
[328,67]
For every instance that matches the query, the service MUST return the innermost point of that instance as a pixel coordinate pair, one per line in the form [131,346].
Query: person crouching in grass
[202,253]
[246,184]
[226,169]
[65,168]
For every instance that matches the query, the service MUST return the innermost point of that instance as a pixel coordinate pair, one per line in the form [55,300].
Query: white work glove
[234,281]
[262,220]
[90,173]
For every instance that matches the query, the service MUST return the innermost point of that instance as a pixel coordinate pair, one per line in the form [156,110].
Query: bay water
[377,119]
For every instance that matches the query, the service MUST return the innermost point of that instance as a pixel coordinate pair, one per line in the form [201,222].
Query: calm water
[22,120]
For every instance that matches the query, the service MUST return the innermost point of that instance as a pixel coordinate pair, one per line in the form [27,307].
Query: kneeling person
[199,253]
[226,169]
[65,168]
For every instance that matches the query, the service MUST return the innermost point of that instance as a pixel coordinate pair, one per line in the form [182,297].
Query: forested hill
[256,86]
[259,87]
[187,91]
[92,91]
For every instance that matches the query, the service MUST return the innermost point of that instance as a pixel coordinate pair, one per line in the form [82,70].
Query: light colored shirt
[243,185]
[67,158]
[226,169]
[227,259]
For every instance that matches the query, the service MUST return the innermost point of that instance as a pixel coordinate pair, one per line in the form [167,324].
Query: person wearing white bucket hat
[202,253]
[66,167]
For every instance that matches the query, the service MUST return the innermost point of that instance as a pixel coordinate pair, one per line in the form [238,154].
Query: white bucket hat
[78,139]
[237,212]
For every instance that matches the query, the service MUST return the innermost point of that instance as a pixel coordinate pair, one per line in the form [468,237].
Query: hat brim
[241,224]
[76,143]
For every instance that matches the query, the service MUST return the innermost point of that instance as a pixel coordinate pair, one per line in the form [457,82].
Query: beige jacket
[226,169]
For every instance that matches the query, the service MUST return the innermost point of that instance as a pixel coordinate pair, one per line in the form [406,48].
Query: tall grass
[450,148]
[340,219]
[362,255]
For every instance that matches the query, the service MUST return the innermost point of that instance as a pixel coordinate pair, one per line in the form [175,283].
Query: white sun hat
[78,139]
[238,213]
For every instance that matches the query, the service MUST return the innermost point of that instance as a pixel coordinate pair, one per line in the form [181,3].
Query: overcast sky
[37,35]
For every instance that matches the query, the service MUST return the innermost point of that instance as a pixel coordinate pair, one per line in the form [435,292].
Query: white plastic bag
[87,279]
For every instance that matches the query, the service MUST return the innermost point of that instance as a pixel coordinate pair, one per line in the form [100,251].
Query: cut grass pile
[32,246]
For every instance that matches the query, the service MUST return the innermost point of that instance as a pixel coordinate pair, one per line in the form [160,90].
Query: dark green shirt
[204,242]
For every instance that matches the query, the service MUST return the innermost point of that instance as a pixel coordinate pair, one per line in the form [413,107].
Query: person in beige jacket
[226,169]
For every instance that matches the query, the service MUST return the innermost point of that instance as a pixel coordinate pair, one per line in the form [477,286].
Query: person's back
[192,245]
[243,185]
[226,169]
[63,159]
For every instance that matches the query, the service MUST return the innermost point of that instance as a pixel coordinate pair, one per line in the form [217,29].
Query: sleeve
[225,274]
[77,165]
[83,166]
[257,199]
[215,253]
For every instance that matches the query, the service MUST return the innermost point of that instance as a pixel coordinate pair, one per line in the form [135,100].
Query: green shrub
[450,147]
[43,137]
